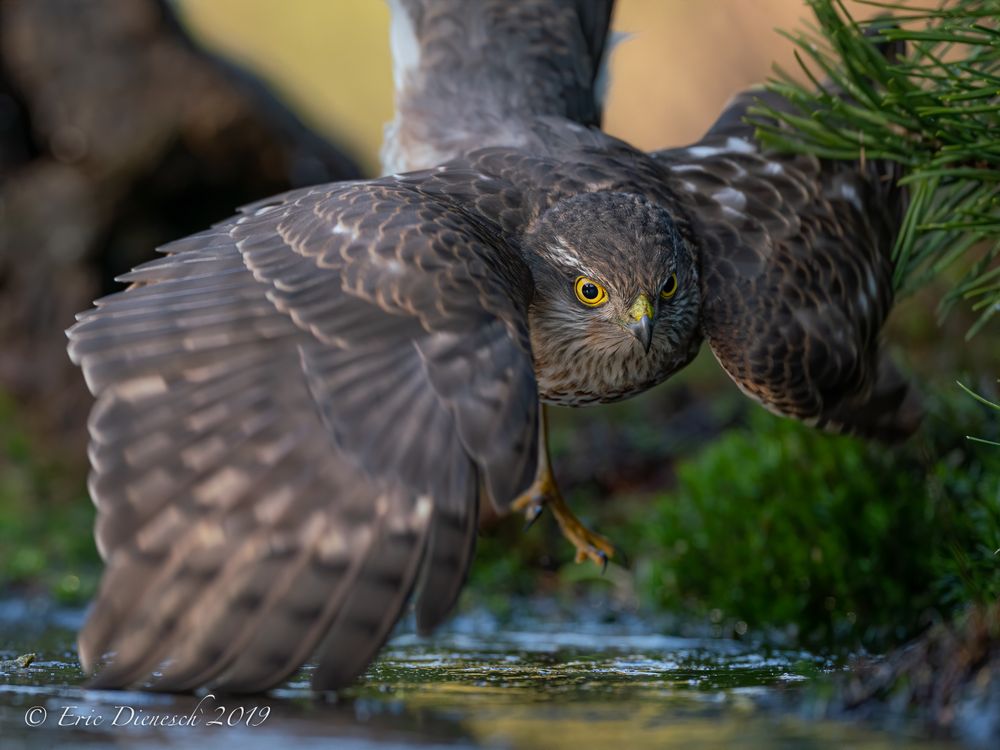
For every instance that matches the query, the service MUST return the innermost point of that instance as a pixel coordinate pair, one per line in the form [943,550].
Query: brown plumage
[300,408]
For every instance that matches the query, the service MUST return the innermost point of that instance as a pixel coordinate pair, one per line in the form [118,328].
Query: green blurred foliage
[833,540]
[46,519]
[777,531]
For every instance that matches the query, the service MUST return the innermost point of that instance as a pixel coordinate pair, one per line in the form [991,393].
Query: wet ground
[530,684]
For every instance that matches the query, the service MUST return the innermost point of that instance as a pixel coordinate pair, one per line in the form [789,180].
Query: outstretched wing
[296,412]
[475,74]
[796,273]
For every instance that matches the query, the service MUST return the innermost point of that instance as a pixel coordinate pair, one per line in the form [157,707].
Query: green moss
[836,540]
[46,520]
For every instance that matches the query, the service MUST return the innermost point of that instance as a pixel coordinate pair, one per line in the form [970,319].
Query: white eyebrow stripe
[563,254]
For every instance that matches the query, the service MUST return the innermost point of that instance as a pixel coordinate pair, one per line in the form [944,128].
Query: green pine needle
[935,110]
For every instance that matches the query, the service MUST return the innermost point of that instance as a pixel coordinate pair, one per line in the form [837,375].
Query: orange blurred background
[680,63]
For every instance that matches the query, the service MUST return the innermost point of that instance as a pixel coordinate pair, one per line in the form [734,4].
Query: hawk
[299,410]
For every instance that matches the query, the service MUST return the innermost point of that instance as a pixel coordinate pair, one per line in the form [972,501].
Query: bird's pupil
[589,291]
[669,286]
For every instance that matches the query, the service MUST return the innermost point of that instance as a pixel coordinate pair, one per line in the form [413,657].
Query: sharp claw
[588,544]
[532,515]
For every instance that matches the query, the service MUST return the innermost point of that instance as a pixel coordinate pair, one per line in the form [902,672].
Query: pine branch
[934,109]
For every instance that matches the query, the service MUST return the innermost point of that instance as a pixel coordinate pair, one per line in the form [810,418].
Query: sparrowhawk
[299,409]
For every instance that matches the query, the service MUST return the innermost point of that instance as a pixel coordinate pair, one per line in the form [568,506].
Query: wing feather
[446,565]
[282,443]
[796,270]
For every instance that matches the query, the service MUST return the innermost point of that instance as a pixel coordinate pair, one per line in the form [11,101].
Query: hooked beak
[641,321]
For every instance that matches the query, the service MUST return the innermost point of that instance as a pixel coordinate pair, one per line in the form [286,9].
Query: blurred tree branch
[117,134]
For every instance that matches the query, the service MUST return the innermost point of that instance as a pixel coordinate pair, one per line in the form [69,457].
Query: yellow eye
[589,292]
[669,287]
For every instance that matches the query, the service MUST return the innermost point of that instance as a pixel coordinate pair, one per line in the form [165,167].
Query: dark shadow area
[117,134]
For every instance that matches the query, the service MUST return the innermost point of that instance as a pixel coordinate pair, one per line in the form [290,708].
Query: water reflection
[533,685]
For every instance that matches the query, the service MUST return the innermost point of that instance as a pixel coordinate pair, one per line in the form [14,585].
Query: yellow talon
[589,544]
[544,492]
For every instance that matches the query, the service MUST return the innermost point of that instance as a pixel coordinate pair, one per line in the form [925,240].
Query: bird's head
[615,287]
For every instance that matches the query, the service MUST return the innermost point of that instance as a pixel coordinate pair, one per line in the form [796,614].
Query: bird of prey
[299,410]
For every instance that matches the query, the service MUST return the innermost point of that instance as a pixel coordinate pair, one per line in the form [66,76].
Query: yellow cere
[589,292]
[641,308]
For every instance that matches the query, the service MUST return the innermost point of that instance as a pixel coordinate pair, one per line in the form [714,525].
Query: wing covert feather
[796,268]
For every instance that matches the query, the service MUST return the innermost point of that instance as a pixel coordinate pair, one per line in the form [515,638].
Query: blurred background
[680,64]
[127,123]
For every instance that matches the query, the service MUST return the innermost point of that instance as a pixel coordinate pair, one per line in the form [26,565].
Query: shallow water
[533,684]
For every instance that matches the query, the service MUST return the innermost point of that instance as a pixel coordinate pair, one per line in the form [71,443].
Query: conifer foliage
[920,86]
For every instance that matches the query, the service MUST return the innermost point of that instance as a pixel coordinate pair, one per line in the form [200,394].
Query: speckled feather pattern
[795,256]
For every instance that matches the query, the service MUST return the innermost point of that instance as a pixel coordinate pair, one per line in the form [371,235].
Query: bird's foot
[589,544]
[532,501]
[544,492]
